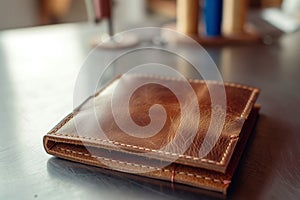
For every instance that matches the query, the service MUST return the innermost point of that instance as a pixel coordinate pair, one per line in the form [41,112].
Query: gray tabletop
[38,69]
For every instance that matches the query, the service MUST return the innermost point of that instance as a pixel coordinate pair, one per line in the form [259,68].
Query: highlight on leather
[139,108]
[148,60]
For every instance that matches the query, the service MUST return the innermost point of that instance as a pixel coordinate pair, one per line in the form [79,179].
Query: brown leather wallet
[91,135]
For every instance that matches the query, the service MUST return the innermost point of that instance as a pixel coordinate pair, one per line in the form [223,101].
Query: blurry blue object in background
[213,17]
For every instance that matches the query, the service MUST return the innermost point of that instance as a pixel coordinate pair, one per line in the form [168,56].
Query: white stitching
[226,150]
[143,166]
[196,81]
[221,162]
[254,90]
[248,103]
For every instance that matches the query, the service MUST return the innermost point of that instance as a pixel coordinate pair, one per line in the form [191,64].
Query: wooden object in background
[188,16]
[52,10]
[250,36]
[167,8]
[234,17]
[271,3]
[187,23]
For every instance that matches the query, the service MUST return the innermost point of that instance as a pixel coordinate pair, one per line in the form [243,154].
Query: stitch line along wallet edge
[77,137]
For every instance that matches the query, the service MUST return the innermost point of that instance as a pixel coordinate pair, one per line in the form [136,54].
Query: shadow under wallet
[113,180]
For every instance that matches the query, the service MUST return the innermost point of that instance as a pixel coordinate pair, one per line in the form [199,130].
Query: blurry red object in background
[102,9]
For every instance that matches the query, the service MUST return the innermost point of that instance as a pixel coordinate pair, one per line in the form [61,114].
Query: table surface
[38,69]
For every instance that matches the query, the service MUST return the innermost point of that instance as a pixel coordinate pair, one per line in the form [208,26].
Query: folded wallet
[92,135]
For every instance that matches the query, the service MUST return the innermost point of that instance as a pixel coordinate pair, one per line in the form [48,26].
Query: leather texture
[77,136]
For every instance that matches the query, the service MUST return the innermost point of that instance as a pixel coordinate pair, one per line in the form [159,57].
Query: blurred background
[16,13]
[39,67]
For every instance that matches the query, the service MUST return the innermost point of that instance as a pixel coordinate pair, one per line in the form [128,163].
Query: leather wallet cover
[78,137]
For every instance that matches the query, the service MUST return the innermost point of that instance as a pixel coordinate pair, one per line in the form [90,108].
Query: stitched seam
[142,166]
[65,120]
[227,150]
[196,81]
[254,90]
[250,100]
[221,162]
[225,154]
[70,116]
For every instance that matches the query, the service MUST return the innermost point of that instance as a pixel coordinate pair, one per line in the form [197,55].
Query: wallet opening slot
[229,142]
[53,141]
[49,144]
[100,154]
[197,177]
[132,164]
